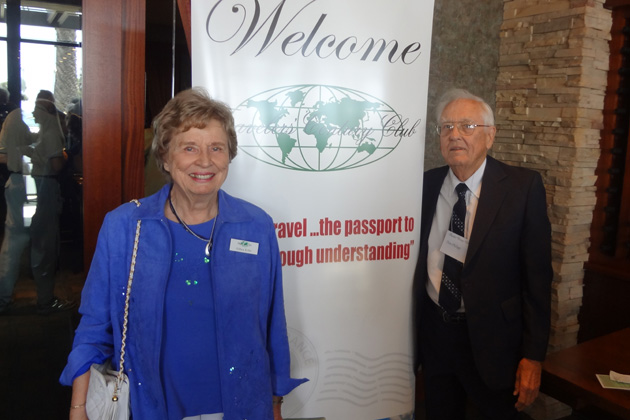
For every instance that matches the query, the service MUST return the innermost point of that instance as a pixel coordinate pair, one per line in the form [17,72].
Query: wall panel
[113,109]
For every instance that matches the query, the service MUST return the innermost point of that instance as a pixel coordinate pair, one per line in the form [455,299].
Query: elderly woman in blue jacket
[206,332]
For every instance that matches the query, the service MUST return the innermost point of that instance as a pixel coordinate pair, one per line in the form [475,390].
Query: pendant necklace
[189,230]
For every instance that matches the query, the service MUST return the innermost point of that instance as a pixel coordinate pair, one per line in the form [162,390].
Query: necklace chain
[189,230]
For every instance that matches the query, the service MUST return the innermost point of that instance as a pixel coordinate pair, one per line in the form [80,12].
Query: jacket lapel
[490,201]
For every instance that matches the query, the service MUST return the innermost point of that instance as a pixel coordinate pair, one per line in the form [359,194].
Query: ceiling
[57,14]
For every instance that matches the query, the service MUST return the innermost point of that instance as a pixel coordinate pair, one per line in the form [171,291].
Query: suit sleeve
[538,275]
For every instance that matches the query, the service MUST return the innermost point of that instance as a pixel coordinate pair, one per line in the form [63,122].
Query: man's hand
[527,382]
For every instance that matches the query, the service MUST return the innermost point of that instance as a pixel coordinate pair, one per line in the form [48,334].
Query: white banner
[329,99]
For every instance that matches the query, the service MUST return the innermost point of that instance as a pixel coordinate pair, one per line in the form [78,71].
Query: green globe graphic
[316,128]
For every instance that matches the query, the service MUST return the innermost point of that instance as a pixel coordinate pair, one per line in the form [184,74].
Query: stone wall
[549,99]
[464,54]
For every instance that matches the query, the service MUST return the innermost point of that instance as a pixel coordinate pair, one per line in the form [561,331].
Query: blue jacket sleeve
[93,341]
[278,345]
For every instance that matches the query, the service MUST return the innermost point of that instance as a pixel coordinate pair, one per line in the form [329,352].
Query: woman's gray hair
[456,94]
[191,108]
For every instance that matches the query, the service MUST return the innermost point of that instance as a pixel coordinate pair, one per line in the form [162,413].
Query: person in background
[48,160]
[482,286]
[74,139]
[207,334]
[43,232]
[71,184]
[5,108]
[5,105]
[15,139]
[48,98]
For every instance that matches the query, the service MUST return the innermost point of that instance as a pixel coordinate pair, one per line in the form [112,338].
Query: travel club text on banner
[329,101]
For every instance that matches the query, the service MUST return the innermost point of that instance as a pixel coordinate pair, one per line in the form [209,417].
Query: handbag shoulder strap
[119,378]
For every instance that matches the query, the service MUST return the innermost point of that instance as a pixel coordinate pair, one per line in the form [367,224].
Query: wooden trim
[612,4]
[607,139]
[113,103]
[604,304]
[613,205]
[185,13]
[102,116]
[133,88]
[609,266]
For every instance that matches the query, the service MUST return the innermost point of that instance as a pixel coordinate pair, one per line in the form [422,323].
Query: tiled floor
[33,352]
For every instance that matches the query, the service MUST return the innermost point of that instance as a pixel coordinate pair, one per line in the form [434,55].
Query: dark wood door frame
[113,109]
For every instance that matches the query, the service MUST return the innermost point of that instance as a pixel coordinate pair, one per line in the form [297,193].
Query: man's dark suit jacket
[507,274]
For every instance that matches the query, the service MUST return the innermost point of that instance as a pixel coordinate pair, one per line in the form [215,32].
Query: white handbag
[108,395]
[108,390]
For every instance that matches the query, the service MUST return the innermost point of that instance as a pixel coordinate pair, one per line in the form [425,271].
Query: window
[41,41]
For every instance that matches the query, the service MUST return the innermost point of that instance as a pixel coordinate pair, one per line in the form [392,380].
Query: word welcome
[278,29]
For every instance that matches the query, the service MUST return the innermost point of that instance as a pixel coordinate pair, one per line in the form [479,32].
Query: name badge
[455,246]
[246,247]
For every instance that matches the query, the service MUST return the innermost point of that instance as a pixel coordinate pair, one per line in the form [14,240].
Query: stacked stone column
[553,65]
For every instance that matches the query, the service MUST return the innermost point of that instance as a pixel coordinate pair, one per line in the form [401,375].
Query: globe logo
[317,128]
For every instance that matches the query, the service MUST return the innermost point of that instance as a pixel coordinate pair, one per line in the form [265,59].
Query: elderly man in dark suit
[482,286]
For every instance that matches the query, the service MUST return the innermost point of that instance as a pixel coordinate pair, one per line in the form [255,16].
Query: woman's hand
[79,396]
[277,408]
[78,413]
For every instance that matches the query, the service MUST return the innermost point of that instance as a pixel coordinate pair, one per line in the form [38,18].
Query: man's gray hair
[455,94]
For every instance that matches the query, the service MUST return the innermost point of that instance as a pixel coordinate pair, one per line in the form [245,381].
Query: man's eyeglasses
[467,128]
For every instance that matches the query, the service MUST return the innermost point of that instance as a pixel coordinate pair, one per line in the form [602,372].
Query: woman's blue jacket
[250,321]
